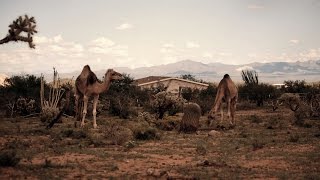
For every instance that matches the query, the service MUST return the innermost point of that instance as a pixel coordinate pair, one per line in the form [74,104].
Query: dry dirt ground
[263,145]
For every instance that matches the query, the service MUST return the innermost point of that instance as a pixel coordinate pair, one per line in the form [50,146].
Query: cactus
[21,24]
[191,117]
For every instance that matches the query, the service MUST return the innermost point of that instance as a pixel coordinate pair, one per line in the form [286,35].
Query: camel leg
[76,104]
[85,105]
[233,109]
[228,106]
[221,112]
[94,112]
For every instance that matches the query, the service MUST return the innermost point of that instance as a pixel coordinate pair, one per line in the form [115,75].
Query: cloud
[192,45]
[255,6]
[66,56]
[167,48]
[311,54]
[207,55]
[102,42]
[294,41]
[44,40]
[124,26]
[244,68]
[101,45]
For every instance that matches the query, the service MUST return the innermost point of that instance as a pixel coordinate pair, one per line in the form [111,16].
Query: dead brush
[117,135]
[301,109]
[49,107]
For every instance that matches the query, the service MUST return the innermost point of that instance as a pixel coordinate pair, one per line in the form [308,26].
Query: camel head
[113,75]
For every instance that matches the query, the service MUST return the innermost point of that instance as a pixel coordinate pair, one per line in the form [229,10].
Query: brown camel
[87,85]
[227,91]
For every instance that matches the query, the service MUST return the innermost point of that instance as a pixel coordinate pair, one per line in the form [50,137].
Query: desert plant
[118,135]
[8,158]
[49,108]
[257,144]
[20,87]
[163,102]
[206,98]
[122,98]
[255,91]
[201,148]
[23,24]
[249,77]
[290,100]
[294,138]
[255,119]
[146,133]
[191,117]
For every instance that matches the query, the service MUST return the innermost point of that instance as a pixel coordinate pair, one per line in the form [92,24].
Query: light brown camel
[87,85]
[227,91]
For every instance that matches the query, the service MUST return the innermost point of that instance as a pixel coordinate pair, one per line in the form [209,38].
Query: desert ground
[263,145]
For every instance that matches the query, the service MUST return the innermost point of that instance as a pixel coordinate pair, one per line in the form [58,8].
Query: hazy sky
[135,33]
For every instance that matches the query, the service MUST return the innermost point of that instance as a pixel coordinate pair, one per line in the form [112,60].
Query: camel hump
[92,78]
[226,76]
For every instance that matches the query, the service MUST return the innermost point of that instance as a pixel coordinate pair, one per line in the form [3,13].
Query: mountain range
[273,72]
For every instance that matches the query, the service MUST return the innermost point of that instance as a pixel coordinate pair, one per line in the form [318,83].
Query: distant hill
[274,72]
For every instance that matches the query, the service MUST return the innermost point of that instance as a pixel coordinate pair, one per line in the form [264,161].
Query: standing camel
[227,91]
[87,85]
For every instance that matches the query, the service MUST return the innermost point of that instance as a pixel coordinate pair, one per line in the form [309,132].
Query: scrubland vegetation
[276,135]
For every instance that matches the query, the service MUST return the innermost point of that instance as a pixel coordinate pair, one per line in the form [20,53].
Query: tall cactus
[21,24]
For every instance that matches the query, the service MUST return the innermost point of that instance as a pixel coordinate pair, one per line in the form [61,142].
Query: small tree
[21,24]
[20,95]
[188,77]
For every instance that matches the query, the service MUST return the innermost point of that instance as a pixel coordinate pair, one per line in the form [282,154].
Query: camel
[227,91]
[87,85]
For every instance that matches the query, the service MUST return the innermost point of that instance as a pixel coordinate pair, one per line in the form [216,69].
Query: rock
[214,133]
[150,171]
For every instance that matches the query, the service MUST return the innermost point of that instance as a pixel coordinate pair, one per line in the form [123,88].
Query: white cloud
[43,39]
[168,45]
[66,56]
[167,48]
[207,55]
[192,45]
[57,38]
[294,41]
[311,54]
[102,42]
[255,6]
[244,68]
[124,26]
[56,48]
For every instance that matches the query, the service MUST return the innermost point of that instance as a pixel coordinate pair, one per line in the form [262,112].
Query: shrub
[123,95]
[8,158]
[257,144]
[76,134]
[167,125]
[294,138]
[255,119]
[146,133]
[118,135]
[191,117]
[206,98]
[201,148]
[163,102]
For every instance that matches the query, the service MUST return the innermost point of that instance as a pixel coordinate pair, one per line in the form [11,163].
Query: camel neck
[104,86]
